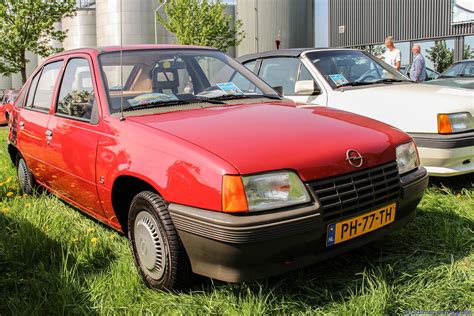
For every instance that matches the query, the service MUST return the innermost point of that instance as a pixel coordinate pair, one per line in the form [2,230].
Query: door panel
[33,119]
[71,145]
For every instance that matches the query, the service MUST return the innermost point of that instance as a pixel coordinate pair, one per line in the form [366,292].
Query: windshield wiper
[355,84]
[239,96]
[158,103]
[466,75]
[390,80]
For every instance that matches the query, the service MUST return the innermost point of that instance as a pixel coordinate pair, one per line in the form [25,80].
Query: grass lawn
[55,260]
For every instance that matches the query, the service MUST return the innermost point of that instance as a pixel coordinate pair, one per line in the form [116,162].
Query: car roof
[117,48]
[287,52]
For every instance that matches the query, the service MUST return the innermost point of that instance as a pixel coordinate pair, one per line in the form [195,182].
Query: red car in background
[9,97]
[204,166]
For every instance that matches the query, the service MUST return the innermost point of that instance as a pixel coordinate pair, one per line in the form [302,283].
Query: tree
[202,23]
[468,52]
[28,25]
[441,56]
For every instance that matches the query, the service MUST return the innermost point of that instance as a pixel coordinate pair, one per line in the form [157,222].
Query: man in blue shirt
[418,68]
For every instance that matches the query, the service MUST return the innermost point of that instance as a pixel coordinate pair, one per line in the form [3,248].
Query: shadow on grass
[456,184]
[435,238]
[38,275]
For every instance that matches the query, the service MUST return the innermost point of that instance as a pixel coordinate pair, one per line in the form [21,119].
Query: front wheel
[158,252]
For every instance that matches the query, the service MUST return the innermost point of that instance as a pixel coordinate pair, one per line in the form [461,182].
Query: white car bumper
[446,155]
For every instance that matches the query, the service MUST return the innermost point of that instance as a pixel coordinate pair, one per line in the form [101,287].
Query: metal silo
[138,22]
[80,29]
[265,20]
[5,82]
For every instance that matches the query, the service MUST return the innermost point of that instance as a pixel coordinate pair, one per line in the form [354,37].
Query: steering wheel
[368,75]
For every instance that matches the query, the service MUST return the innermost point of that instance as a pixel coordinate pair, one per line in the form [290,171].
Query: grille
[356,192]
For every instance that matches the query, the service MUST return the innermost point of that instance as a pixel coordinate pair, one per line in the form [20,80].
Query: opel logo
[354,158]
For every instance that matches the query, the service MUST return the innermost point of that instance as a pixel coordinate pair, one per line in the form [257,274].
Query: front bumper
[446,155]
[238,248]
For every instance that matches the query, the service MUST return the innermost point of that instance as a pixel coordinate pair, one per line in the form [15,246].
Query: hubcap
[22,174]
[149,245]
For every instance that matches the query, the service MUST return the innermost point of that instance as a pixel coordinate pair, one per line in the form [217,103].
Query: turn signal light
[444,124]
[234,199]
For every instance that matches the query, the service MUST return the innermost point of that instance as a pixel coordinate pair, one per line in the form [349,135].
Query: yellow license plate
[363,224]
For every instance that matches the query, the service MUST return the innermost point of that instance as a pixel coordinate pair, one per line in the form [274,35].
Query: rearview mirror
[306,87]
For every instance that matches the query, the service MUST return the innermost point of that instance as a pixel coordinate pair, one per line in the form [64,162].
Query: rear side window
[41,91]
[76,95]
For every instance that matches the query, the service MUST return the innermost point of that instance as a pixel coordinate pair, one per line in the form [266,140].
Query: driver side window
[76,95]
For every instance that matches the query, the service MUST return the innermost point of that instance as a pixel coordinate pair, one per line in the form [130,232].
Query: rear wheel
[26,180]
[159,254]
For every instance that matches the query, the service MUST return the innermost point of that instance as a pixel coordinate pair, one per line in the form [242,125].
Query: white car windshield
[353,68]
[156,77]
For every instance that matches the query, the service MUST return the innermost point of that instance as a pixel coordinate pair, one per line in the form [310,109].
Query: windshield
[164,76]
[351,68]
[463,69]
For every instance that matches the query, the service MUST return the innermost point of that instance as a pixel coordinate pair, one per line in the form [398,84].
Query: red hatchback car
[204,166]
[6,106]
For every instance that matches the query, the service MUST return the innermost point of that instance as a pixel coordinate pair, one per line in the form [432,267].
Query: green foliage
[468,52]
[441,56]
[54,260]
[28,25]
[202,23]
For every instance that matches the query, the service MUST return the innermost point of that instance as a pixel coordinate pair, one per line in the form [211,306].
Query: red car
[9,97]
[204,167]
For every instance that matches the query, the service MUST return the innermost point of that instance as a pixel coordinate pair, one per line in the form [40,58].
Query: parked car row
[439,119]
[208,170]
[6,105]
[459,75]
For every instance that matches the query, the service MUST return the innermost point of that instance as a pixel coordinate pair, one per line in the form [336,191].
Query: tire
[26,179]
[159,255]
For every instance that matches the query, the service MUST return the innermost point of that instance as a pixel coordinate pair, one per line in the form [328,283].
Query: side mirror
[306,87]
[279,90]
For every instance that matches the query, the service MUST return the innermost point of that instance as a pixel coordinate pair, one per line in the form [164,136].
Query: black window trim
[71,117]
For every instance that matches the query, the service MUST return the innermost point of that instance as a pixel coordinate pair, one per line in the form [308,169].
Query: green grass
[55,260]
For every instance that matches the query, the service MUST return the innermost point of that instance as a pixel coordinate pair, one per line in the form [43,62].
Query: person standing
[418,68]
[392,55]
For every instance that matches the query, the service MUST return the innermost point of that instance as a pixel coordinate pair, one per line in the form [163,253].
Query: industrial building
[290,23]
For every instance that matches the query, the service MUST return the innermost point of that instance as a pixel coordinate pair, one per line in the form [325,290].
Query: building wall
[81,29]
[138,25]
[263,20]
[370,21]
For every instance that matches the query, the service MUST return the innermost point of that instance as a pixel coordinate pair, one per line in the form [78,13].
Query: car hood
[410,107]
[264,137]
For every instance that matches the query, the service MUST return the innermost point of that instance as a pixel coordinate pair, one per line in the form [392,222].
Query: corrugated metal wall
[370,21]
[264,19]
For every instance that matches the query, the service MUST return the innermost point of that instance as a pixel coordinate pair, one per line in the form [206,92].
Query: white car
[440,119]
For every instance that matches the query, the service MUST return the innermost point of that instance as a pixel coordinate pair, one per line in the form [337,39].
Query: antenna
[122,117]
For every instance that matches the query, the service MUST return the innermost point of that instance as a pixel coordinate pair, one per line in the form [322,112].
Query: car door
[72,136]
[286,72]
[34,116]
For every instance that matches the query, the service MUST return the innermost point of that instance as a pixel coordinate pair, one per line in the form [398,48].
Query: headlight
[455,122]
[407,157]
[262,192]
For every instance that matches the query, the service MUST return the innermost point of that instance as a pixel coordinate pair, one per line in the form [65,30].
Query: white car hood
[409,107]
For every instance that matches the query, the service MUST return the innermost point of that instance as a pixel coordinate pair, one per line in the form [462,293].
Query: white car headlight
[407,157]
[274,190]
[455,122]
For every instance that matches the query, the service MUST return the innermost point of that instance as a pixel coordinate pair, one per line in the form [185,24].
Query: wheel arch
[124,189]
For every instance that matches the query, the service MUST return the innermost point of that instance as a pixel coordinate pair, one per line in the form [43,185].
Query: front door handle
[48,133]
[22,125]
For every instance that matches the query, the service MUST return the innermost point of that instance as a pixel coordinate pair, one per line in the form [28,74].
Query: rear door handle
[22,125]
[48,133]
